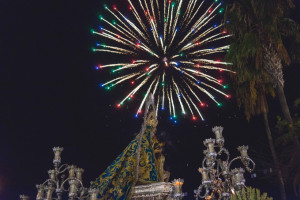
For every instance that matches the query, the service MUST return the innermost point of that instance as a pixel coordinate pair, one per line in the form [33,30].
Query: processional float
[138,172]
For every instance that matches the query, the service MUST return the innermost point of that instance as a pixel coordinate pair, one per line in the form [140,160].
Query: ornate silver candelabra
[63,180]
[219,181]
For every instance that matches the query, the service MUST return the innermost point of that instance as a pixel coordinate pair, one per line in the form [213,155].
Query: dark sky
[50,97]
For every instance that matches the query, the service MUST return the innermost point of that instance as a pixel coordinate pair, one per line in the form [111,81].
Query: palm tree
[252,85]
[264,24]
[258,55]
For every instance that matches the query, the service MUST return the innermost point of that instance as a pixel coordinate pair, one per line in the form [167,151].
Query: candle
[57,152]
[73,188]
[52,175]
[177,183]
[41,192]
[204,173]
[238,179]
[72,169]
[50,192]
[79,172]
[93,194]
[24,197]
[244,151]
[218,132]
[210,144]
[225,170]
[211,148]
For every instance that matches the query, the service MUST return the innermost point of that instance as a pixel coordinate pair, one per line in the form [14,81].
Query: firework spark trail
[134,91]
[127,29]
[210,67]
[124,79]
[172,102]
[137,16]
[210,51]
[147,73]
[164,19]
[178,96]
[192,91]
[128,66]
[207,77]
[114,80]
[148,92]
[187,102]
[163,91]
[157,105]
[157,4]
[169,101]
[117,37]
[169,42]
[197,109]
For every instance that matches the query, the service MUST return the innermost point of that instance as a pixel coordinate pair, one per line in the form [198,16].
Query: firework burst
[167,48]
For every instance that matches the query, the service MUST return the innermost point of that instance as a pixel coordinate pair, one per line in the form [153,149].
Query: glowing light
[172,61]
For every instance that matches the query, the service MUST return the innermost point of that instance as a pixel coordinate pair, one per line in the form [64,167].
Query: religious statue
[140,163]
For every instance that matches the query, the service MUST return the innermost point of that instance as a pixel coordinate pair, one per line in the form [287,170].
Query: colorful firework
[169,45]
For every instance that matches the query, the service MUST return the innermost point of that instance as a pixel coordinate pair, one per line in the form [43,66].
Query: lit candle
[79,172]
[41,192]
[72,171]
[177,183]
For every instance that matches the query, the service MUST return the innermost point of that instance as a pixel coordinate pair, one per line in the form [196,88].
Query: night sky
[50,96]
